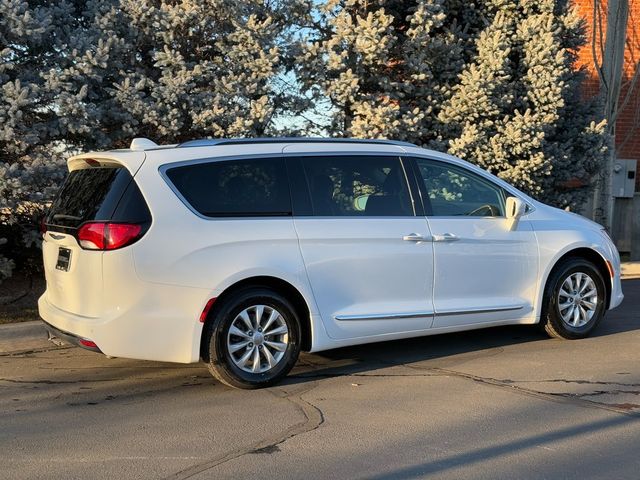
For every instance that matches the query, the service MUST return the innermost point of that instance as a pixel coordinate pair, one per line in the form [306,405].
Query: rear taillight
[91,236]
[121,234]
[108,236]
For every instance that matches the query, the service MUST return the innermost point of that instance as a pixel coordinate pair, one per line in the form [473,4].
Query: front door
[484,271]
[366,251]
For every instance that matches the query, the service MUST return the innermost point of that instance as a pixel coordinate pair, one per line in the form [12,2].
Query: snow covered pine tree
[92,75]
[385,66]
[29,128]
[173,70]
[492,82]
[517,110]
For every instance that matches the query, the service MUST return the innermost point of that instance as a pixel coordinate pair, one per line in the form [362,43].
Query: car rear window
[89,194]
[250,187]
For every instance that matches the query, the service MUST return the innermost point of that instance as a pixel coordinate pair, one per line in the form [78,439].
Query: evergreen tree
[173,70]
[29,129]
[492,82]
[80,75]
[385,65]
[517,111]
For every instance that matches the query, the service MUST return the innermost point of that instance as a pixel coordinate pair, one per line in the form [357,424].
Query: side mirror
[515,209]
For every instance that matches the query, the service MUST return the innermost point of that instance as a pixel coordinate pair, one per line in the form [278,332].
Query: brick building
[626,214]
[628,124]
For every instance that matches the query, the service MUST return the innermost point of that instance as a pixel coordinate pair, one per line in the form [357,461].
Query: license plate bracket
[64,259]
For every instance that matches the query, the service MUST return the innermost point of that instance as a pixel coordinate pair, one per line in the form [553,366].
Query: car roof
[220,148]
[142,149]
[289,140]
[145,151]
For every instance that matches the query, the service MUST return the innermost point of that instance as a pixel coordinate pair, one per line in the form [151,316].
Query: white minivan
[242,252]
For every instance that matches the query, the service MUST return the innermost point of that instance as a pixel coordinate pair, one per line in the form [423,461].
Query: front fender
[549,259]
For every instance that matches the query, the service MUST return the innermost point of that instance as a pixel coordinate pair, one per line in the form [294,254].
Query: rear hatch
[96,194]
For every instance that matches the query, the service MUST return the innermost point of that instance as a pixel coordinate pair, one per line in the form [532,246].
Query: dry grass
[19,298]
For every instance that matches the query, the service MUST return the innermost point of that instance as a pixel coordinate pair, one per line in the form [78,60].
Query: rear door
[95,192]
[484,271]
[367,253]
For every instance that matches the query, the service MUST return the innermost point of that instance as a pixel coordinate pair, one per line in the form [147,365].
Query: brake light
[121,234]
[91,236]
[108,236]
[91,162]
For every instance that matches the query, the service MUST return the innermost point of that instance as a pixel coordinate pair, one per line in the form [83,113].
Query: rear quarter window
[253,187]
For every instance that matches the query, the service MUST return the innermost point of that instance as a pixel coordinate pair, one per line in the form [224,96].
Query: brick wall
[628,124]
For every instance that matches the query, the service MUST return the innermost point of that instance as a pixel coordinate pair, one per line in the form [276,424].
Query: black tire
[216,353]
[551,319]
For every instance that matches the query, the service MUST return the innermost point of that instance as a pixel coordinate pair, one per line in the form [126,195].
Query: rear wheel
[253,339]
[574,301]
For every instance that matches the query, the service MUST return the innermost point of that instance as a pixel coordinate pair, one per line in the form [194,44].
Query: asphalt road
[497,403]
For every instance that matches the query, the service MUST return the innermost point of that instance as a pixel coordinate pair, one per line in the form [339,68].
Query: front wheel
[253,340]
[574,300]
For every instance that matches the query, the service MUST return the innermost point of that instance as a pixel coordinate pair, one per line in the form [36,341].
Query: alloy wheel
[258,339]
[577,299]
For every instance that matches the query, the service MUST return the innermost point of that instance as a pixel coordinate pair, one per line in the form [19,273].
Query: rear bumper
[70,338]
[160,323]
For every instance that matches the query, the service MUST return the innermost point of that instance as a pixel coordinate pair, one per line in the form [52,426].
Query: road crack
[606,392]
[574,399]
[313,419]
[20,353]
[57,382]
[304,376]
[579,382]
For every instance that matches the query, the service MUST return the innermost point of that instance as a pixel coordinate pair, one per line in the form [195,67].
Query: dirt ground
[19,297]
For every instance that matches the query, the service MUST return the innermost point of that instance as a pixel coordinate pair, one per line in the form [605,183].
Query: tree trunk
[610,82]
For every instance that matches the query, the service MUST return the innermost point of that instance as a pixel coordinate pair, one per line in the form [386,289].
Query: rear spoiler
[131,160]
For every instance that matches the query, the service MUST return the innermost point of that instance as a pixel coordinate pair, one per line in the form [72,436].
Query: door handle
[414,237]
[445,237]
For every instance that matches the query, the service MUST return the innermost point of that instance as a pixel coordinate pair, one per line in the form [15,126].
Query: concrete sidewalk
[630,269]
[25,336]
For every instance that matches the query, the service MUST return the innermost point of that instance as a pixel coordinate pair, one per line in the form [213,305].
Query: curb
[630,270]
[17,337]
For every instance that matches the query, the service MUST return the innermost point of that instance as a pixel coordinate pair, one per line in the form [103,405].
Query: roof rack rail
[242,141]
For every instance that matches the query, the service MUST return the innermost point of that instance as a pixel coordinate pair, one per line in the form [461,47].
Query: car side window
[360,186]
[251,187]
[455,191]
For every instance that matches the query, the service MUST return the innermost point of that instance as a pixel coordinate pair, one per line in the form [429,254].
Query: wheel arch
[278,285]
[582,252]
